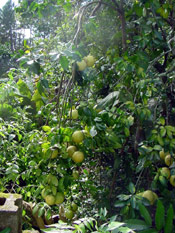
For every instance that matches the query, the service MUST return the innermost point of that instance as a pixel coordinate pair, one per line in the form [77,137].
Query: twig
[115,172]
[156,59]
[96,8]
[117,6]
[139,177]
[81,13]
[58,95]
[155,109]
[64,99]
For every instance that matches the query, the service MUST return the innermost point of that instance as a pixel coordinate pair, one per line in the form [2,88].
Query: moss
[5,195]
[10,207]
[30,231]
[10,195]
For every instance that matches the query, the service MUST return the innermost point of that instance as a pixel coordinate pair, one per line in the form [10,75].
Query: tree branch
[117,6]
[121,13]
[115,171]
[96,8]
[82,10]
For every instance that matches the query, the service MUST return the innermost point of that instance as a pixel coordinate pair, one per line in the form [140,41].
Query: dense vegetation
[87,114]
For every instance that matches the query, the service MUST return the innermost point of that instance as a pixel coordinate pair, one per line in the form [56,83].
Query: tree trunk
[11,39]
[123,24]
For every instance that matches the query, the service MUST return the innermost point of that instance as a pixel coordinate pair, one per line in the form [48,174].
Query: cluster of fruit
[86,62]
[165,171]
[77,137]
[74,154]
[50,192]
[69,212]
[52,196]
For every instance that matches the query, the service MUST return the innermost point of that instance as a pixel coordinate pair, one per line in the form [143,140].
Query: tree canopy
[87,113]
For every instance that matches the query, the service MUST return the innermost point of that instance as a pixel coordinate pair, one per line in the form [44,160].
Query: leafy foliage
[125,104]
[6,230]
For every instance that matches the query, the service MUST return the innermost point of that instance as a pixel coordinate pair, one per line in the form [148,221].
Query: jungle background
[125,100]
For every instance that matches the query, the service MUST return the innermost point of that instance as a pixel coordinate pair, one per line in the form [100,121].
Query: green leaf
[54,230]
[150,230]
[137,224]
[157,147]
[117,163]
[126,97]
[160,140]
[124,210]
[160,215]
[25,43]
[85,172]
[123,230]
[119,204]
[127,132]
[169,133]
[144,12]
[113,138]
[162,121]
[11,137]
[6,230]
[41,212]
[169,220]
[117,145]
[138,10]
[130,120]
[124,197]
[64,62]
[40,87]
[162,131]
[54,181]
[23,88]
[45,83]
[45,146]
[36,96]
[93,131]
[170,128]
[34,67]
[132,188]
[61,185]
[67,7]
[145,214]
[46,128]
[48,214]
[108,100]
[163,180]
[87,224]
[133,202]
[103,212]
[114,225]
[82,227]
[38,99]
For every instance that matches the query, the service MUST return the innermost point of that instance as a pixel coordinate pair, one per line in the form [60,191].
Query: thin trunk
[11,40]
[123,24]
[121,12]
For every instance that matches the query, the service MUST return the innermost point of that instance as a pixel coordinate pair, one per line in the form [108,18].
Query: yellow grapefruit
[50,199]
[81,65]
[77,136]
[78,157]
[71,150]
